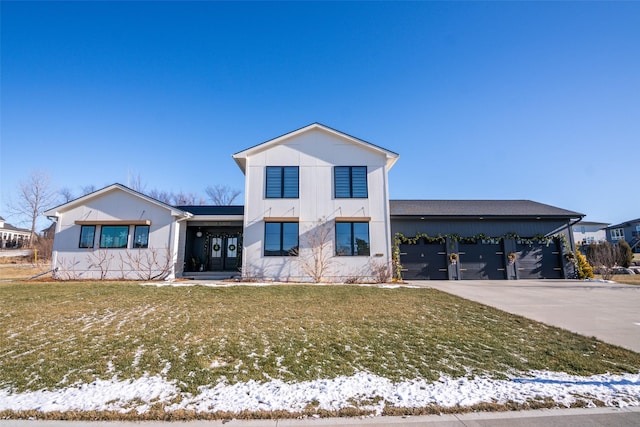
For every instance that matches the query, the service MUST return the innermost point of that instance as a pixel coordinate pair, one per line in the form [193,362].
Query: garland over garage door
[538,260]
[481,261]
[424,261]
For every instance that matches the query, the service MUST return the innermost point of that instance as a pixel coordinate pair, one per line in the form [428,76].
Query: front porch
[213,251]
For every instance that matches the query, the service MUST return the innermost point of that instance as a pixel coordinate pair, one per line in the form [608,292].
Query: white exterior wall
[588,233]
[73,262]
[316,153]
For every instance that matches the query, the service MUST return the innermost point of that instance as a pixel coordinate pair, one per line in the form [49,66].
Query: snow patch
[331,394]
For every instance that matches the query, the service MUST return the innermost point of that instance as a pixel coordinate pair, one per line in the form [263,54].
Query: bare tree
[35,195]
[603,256]
[88,189]
[185,199]
[161,196]
[66,194]
[222,195]
[316,254]
[135,183]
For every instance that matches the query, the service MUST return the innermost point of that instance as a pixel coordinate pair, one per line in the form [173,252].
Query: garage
[484,235]
[481,261]
[424,261]
[538,261]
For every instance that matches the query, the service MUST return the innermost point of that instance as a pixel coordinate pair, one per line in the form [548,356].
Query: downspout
[54,251]
[568,228]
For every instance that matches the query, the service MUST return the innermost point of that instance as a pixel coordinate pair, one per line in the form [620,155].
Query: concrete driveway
[608,311]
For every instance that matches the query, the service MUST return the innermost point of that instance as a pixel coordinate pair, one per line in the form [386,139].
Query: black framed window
[352,238]
[87,236]
[114,236]
[350,182]
[141,236]
[282,182]
[280,238]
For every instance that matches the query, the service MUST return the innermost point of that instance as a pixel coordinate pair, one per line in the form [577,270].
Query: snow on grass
[360,390]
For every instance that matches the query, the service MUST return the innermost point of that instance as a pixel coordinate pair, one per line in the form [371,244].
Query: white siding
[316,153]
[73,262]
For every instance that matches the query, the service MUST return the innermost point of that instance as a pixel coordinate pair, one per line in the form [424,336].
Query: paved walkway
[607,311]
[593,417]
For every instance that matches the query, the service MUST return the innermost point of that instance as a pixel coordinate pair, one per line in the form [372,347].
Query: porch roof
[208,210]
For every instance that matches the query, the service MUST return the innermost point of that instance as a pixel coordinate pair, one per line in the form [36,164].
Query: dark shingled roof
[213,210]
[623,224]
[461,208]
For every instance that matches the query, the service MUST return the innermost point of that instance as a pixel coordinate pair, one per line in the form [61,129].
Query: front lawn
[58,334]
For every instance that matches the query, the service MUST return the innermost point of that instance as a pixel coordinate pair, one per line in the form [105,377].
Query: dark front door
[223,254]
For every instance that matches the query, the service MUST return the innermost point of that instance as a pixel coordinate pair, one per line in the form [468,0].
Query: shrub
[584,269]
[625,254]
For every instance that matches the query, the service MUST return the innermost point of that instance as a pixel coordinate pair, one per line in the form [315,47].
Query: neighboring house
[628,230]
[316,208]
[588,232]
[13,237]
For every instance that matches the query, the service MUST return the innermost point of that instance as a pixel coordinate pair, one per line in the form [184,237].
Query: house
[587,232]
[628,230]
[316,208]
[13,237]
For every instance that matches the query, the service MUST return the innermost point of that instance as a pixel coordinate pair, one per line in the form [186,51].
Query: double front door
[223,254]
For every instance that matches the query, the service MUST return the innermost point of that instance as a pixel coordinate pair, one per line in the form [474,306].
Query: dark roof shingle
[213,210]
[456,208]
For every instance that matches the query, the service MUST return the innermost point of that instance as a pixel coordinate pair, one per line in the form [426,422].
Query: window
[617,234]
[114,236]
[280,238]
[350,182]
[141,236]
[352,238]
[87,235]
[282,182]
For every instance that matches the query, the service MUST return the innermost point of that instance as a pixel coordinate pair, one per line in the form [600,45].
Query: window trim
[351,182]
[283,182]
[93,239]
[353,250]
[617,233]
[281,251]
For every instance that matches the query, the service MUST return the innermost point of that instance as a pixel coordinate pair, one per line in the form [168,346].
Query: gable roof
[8,227]
[241,156]
[56,211]
[623,224]
[478,208]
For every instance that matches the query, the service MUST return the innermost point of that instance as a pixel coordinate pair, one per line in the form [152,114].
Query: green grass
[53,334]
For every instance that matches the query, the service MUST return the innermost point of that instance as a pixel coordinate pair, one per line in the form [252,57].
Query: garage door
[539,261]
[481,261]
[424,261]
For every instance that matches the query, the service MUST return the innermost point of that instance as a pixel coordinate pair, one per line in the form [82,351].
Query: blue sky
[482,100]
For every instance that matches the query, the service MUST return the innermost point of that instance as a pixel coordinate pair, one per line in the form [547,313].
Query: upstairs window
[87,236]
[352,238]
[617,234]
[282,182]
[350,182]
[114,236]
